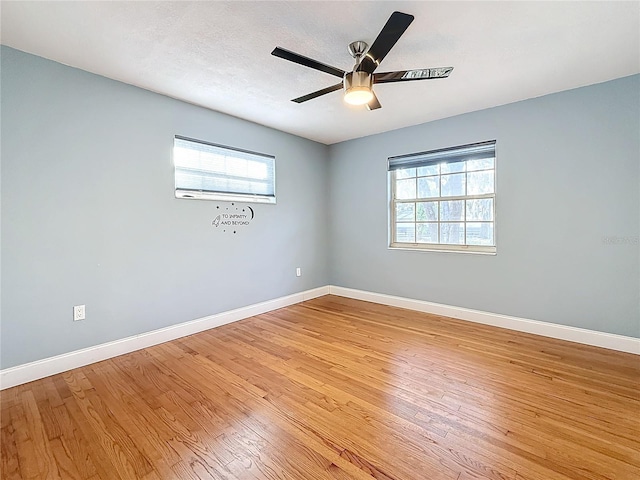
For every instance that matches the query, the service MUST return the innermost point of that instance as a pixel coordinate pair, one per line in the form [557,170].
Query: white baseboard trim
[28,372]
[562,332]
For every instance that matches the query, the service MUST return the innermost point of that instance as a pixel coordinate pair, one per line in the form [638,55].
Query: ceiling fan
[358,83]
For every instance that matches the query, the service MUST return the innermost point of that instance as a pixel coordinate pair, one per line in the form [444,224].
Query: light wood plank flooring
[334,388]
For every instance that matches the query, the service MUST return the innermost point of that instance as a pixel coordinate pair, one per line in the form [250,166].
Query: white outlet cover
[78,312]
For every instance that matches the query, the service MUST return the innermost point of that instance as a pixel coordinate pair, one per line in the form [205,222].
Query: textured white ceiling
[217,54]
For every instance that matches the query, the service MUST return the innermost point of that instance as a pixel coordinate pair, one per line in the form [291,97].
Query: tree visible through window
[444,199]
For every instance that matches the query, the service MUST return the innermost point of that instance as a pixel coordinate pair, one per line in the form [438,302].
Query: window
[213,172]
[444,199]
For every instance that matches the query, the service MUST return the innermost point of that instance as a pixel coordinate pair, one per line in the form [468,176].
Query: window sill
[223,197]
[443,248]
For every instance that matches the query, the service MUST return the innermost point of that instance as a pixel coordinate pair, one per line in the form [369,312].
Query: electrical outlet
[78,313]
[298,272]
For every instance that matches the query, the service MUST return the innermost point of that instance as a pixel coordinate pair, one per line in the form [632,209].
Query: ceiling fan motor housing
[357,81]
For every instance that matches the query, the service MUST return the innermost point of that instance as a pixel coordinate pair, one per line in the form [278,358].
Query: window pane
[406,232]
[481,164]
[405,173]
[453,185]
[428,187]
[452,233]
[429,170]
[453,167]
[427,211]
[427,233]
[406,189]
[481,209]
[480,182]
[405,212]
[480,233]
[452,210]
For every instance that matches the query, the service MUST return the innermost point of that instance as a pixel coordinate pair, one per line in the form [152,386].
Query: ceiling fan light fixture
[358,88]
[358,96]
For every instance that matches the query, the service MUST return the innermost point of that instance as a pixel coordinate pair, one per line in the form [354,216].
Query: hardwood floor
[334,388]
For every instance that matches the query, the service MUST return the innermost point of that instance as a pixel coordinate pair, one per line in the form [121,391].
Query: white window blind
[215,172]
[476,151]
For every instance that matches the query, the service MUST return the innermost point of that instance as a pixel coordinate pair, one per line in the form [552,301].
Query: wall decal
[232,218]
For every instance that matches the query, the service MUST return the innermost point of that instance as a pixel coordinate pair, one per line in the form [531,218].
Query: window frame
[193,194]
[439,247]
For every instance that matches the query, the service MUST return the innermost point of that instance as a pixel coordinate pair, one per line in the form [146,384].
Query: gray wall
[89,214]
[567,177]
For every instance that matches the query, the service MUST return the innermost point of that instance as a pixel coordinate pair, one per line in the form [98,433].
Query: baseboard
[562,332]
[10,377]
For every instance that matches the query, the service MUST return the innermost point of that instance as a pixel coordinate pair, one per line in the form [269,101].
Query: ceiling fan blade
[307,62]
[373,104]
[319,93]
[387,38]
[409,75]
